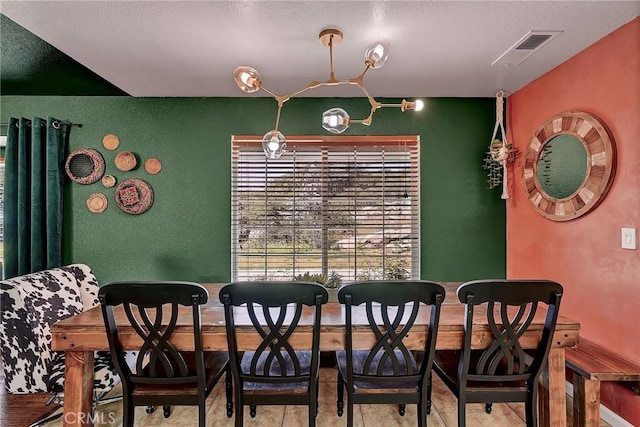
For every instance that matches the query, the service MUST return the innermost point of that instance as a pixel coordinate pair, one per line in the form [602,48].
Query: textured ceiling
[438,48]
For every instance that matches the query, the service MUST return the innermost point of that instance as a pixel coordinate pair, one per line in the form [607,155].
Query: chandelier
[335,120]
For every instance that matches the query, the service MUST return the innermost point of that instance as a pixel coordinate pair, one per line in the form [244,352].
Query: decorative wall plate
[97,203]
[152,166]
[84,166]
[126,161]
[108,181]
[110,141]
[134,196]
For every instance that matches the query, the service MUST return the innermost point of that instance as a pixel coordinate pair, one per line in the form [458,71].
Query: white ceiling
[438,48]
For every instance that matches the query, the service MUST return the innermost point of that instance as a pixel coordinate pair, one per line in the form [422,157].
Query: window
[336,206]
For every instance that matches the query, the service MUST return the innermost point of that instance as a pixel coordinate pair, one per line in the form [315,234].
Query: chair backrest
[274,311]
[152,310]
[391,310]
[510,307]
[29,305]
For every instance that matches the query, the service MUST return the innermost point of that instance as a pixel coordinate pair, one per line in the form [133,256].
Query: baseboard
[606,414]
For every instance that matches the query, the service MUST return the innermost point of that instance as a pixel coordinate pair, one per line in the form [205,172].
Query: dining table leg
[78,389]
[554,410]
[543,398]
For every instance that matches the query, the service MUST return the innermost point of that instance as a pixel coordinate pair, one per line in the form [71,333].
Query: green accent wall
[186,234]
[31,66]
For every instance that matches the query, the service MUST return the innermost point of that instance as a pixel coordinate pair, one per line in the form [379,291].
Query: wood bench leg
[586,402]
[543,397]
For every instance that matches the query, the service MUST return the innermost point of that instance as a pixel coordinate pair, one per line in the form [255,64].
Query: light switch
[629,238]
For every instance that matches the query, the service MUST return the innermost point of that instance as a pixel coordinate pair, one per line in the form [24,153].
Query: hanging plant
[493,161]
[500,152]
[494,170]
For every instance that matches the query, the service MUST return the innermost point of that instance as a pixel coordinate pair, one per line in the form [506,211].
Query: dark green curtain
[33,197]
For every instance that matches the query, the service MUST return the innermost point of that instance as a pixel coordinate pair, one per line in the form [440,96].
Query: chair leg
[462,415]
[529,414]
[166,411]
[128,413]
[530,408]
[429,385]
[229,391]
[252,411]
[487,407]
[402,409]
[340,395]
[349,410]
[313,410]
[202,413]
[422,415]
[239,412]
[317,397]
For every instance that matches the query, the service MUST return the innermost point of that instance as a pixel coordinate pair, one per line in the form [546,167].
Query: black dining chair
[388,372]
[276,370]
[163,375]
[506,370]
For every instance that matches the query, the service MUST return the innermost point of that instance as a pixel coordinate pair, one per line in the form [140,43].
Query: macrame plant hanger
[500,150]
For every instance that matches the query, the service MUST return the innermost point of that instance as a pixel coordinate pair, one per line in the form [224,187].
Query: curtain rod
[54,123]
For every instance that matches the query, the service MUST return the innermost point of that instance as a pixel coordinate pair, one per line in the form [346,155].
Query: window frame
[409,145]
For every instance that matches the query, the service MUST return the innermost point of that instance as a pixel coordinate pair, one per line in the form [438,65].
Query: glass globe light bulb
[335,120]
[419,105]
[274,144]
[247,78]
[377,54]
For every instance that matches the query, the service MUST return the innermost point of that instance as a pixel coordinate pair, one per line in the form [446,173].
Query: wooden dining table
[79,336]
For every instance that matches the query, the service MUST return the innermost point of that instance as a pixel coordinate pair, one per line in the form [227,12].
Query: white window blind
[330,205]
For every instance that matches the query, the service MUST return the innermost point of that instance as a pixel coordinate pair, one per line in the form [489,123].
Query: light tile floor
[443,414]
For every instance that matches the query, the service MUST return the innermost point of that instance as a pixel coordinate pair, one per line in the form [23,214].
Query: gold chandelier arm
[358,80]
[367,121]
[374,104]
[314,84]
[284,98]
[391,105]
[269,92]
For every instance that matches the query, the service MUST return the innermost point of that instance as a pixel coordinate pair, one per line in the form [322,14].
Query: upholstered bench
[29,305]
[591,364]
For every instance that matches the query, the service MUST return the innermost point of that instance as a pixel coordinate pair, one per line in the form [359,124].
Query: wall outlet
[629,238]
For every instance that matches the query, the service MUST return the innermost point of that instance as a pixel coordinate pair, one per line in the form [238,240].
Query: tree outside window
[340,208]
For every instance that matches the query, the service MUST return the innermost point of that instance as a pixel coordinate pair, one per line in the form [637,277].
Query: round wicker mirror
[600,168]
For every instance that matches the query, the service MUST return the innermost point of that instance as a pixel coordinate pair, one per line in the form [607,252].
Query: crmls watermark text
[101,418]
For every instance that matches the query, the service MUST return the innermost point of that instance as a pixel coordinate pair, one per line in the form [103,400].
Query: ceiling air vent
[526,46]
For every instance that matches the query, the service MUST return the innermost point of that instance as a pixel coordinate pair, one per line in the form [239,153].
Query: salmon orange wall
[601,280]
